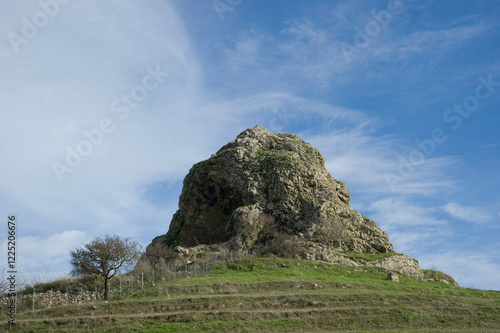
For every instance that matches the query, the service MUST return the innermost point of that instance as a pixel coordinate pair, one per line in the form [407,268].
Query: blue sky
[106,106]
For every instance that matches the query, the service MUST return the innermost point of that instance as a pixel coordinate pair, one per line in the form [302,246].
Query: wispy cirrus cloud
[360,156]
[493,145]
[309,50]
[466,213]
[393,212]
[433,41]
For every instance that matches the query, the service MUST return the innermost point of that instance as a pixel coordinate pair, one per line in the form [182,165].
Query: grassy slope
[282,295]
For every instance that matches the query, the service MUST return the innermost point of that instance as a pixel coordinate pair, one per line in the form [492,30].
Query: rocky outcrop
[263,187]
[401,264]
[440,277]
[262,183]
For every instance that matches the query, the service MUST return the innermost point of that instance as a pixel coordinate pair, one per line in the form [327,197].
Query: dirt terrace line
[285,310]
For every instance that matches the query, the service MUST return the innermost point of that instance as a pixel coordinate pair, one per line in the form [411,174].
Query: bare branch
[104,258]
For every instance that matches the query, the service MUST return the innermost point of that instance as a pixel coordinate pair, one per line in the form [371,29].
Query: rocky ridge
[263,183]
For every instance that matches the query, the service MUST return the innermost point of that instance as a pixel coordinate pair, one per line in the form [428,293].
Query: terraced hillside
[281,295]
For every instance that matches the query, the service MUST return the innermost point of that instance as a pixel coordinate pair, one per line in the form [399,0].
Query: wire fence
[66,292]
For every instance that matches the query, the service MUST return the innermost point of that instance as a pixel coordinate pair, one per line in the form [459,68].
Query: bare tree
[158,254]
[4,283]
[104,258]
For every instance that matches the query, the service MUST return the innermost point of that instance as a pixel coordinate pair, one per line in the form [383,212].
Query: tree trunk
[106,289]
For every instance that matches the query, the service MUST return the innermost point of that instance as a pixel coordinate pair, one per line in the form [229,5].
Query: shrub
[284,246]
[269,227]
[330,231]
[157,255]
[264,252]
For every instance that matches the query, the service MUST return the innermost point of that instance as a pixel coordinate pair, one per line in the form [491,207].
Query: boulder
[392,277]
[401,264]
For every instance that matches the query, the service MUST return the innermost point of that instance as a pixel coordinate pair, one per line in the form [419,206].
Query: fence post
[81,294]
[142,280]
[67,294]
[120,285]
[162,273]
[96,291]
[131,287]
[50,305]
[33,297]
[153,274]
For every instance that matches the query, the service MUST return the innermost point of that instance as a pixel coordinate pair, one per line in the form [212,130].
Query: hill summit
[263,184]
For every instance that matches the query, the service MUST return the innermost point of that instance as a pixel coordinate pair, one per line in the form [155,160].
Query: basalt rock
[263,183]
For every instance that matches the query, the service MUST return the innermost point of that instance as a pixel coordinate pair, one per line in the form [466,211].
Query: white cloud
[416,241]
[391,211]
[493,145]
[360,157]
[412,228]
[430,40]
[466,213]
[46,254]
[247,50]
[62,83]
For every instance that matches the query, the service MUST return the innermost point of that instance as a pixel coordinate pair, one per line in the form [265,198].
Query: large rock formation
[264,182]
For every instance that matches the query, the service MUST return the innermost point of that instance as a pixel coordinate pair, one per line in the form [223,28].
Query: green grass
[281,295]
[369,256]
